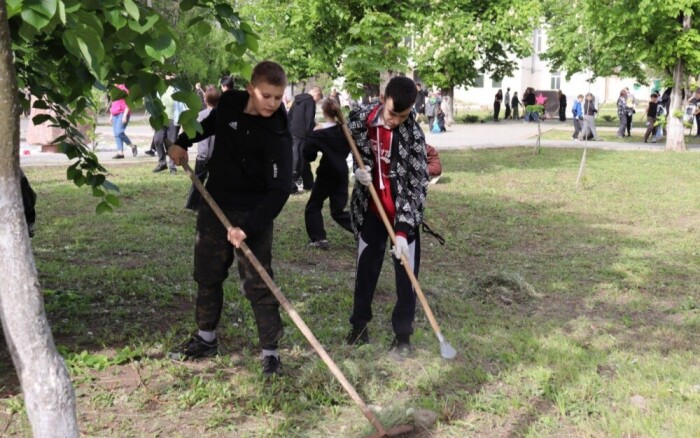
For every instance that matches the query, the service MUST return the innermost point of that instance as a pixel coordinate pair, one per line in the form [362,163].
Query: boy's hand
[236,236]
[178,154]
[364,176]
[401,247]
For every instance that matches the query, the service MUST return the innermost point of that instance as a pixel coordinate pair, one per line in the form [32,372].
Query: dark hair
[330,108]
[227,81]
[270,72]
[211,96]
[654,95]
[402,91]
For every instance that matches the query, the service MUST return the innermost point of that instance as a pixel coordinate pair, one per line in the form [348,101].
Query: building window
[538,41]
[555,82]
[479,81]
[495,83]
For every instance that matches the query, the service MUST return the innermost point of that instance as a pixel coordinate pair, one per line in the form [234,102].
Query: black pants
[301,168]
[334,189]
[214,255]
[496,110]
[577,128]
[158,142]
[507,115]
[194,198]
[629,124]
[697,122]
[371,250]
[431,120]
[562,114]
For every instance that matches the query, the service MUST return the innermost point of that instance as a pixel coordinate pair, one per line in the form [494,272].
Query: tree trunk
[675,138]
[48,394]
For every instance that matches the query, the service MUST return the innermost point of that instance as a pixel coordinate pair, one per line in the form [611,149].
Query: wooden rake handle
[390,230]
[287,305]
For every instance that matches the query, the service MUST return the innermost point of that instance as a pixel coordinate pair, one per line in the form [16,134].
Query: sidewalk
[467,136]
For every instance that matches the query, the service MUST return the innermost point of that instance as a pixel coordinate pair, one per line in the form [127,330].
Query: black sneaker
[359,335]
[271,366]
[401,345]
[134,150]
[150,153]
[195,348]
[320,244]
[160,168]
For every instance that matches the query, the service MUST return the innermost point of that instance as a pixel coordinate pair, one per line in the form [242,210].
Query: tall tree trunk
[675,139]
[48,394]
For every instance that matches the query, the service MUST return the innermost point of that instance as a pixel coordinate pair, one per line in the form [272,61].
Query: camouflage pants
[214,255]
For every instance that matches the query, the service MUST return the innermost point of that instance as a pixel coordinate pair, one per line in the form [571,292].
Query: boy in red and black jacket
[249,175]
[392,146]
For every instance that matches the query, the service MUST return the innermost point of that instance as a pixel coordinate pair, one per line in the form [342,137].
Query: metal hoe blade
[446,350]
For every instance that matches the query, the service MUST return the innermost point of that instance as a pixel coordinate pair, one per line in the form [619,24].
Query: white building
[536,73]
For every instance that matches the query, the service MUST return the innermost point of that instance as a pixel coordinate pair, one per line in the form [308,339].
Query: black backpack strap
[427,230]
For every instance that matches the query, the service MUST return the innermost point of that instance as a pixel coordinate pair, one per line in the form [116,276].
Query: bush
[608,118]
[470,118]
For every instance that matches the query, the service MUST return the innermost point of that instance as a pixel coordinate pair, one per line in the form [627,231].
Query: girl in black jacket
[331,175]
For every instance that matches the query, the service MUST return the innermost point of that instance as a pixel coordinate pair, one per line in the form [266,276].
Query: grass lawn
[558,133]
[575,312]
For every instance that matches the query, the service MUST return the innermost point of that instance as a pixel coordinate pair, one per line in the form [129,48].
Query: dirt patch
[504,289]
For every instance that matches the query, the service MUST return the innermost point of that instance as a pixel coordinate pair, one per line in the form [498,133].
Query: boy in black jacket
[249,174]
[331,175]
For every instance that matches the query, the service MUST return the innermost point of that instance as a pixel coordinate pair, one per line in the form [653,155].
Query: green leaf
[36,20]
[62,11]
[161,47]
[202,28]
[14,7]
[47,8]
[41,118]
[251,43]
[115,18]
[113,200]
[186,5]
[103,207]
[96,192]
[132,9]
[143,28]
[110,186]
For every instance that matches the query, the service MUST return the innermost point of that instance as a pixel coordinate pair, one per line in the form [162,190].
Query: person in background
[173,109]
[589,113]
[622,113]
[434,165]
[577,113]
[431,109]
[515,105]
[497,104]
[226,83]
[420,101]
[562,106]
[200,93]
[650,114]
[302,121]
[508,106]
[331,176]
[629,108]
[446,108]
[119,114]
[204,149]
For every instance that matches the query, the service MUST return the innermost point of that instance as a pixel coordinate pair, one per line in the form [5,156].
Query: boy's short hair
[227,81]
[654,95]
[580,96]
[211,96]
[270,72]
[402,91]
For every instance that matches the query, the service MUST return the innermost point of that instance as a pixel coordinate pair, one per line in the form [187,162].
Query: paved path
[468,136]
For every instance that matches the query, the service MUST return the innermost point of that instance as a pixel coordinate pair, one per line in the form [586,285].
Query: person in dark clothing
[529,100]
[507,103]
[331,176]
[302,121]
[515,105]
[497,104]
[204,149]
[392,146]
[226,83]
[249,174]
[651,112]
[695,100]
[420,99]
[562,106]
[28,202]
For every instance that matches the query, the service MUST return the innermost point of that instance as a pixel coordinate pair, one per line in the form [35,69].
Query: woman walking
[331,175]
[119,117]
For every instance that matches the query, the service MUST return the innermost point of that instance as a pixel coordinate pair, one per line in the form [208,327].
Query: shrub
[608,118]
[470,118]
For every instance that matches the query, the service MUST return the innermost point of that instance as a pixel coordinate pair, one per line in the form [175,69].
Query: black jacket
[302,115]
[250,173]
[331,142]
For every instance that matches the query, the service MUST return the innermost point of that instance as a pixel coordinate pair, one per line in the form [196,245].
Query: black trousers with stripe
[370,257]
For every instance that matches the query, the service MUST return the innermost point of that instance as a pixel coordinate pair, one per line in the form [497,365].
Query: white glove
[364,176]
[401,247]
